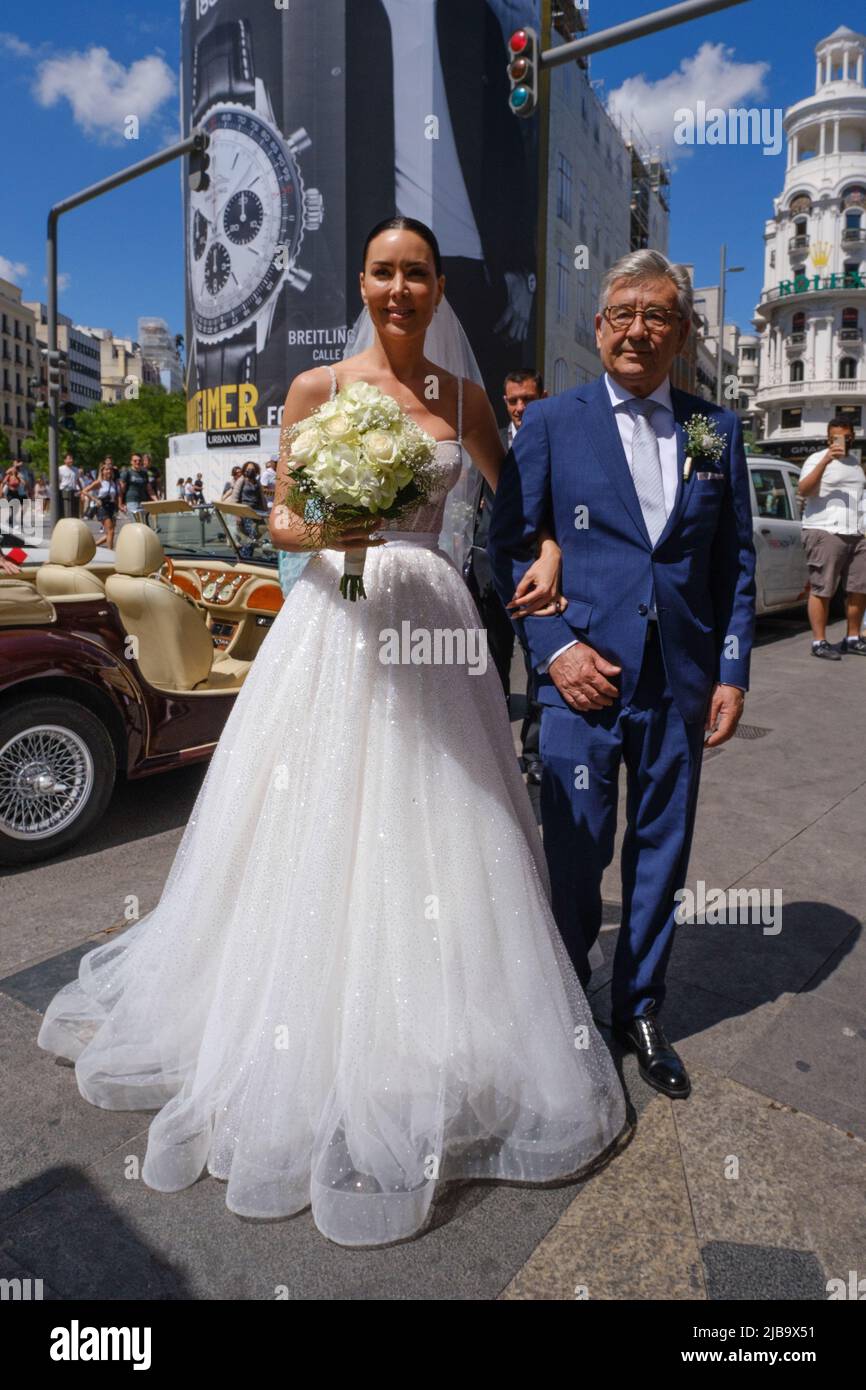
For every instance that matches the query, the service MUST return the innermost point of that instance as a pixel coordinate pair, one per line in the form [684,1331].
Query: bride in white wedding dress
[352,987]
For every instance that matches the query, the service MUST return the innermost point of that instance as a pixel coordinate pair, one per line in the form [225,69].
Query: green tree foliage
[121,428]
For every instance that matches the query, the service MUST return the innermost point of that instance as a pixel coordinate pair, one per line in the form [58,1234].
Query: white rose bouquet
[357,456]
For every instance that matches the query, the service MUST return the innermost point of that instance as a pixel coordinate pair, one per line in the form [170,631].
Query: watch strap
[222,67]
[231,361]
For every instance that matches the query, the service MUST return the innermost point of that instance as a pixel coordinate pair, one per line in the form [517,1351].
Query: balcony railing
[798,244]
[829,386]
[851,335]
[795,342]
[853,236]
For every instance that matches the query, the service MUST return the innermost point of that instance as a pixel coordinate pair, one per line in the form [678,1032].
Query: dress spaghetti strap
[460,411]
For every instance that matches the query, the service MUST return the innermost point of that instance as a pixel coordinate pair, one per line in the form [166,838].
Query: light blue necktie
[646,467]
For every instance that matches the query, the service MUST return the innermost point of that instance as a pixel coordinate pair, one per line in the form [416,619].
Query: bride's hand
[358,535]
[538,595]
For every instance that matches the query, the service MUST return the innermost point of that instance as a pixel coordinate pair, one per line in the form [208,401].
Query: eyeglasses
[621,316]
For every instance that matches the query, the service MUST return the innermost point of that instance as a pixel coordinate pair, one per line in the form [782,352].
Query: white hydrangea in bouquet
[356,457]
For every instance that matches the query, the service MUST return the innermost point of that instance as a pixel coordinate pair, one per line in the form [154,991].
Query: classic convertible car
[126,666]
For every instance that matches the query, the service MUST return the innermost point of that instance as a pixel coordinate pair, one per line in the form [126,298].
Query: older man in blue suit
[646,489]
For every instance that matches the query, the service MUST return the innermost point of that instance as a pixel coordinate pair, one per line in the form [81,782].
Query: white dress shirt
[664,426]
[429,179]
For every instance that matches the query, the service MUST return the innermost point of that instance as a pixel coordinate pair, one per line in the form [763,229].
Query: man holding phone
[832,482]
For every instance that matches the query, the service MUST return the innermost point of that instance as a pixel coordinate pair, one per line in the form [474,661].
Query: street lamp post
[196,145]
[720,346]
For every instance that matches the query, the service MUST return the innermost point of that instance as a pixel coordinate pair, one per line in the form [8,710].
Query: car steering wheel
[165,575]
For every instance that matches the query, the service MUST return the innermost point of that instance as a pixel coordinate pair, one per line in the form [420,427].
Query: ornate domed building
[812,311]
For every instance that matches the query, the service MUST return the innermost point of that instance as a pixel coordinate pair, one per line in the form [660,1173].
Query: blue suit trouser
[581,755]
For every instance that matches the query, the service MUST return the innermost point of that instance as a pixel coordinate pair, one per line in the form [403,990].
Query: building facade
[607,195]
[159,350]
[122,367]
[811,315]
[19,366]
[80,383]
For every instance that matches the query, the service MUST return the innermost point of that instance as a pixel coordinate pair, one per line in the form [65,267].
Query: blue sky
[70,73]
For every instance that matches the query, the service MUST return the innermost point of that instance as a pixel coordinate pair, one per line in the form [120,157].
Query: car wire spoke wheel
[46,780]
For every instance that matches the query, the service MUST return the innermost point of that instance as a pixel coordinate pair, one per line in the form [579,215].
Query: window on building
[798,322]
[792,417]
[563,187]
[847,368]
[852,414]
[797,371]
[850,317]
[562,274]
[560,375]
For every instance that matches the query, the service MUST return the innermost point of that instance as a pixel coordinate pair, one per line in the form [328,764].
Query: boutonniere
[702,441]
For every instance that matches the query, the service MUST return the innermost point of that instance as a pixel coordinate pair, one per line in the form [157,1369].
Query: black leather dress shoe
[658,1063]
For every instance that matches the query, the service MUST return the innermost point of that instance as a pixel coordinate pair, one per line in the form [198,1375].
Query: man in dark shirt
[135,486]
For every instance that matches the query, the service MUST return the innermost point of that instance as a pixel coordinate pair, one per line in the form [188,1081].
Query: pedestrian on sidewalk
[107,494]
[70,486]
[832,482]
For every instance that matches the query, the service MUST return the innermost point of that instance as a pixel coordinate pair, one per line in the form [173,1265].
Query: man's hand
[513,323]
[580,676]
[723,716]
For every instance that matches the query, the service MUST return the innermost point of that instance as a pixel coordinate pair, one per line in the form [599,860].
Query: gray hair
[649,265]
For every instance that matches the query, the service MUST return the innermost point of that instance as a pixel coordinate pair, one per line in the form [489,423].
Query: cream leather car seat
[175,646]
[71,548]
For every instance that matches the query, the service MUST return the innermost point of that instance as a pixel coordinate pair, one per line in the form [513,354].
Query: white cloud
[711,75]
[15,45]
[16,271]
[102,92]
[64,280]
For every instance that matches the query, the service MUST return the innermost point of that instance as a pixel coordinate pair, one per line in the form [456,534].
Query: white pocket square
[714,477]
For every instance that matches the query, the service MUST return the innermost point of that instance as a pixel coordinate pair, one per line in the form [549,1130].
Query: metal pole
[543,152]
[632,29]
[51,397]
[720,346]
[193,141]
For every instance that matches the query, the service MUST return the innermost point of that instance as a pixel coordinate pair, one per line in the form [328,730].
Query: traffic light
[199,163]
[68,411]
[523,71]
[53,359]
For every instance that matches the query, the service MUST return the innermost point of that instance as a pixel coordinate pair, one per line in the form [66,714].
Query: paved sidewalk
[753,1188]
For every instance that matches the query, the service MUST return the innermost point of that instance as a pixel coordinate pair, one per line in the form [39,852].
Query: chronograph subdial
[243,216]
[217,268]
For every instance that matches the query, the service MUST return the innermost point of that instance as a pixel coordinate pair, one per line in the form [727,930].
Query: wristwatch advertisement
[255,280]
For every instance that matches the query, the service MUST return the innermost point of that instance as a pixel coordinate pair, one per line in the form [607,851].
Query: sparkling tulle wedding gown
[352,986]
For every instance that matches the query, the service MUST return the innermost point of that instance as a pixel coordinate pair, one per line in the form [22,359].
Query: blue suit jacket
[567,455]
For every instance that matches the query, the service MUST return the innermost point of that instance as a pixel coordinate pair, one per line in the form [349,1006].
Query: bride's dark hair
[406,224]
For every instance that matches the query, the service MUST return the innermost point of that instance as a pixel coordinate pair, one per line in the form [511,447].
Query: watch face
[253,205]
